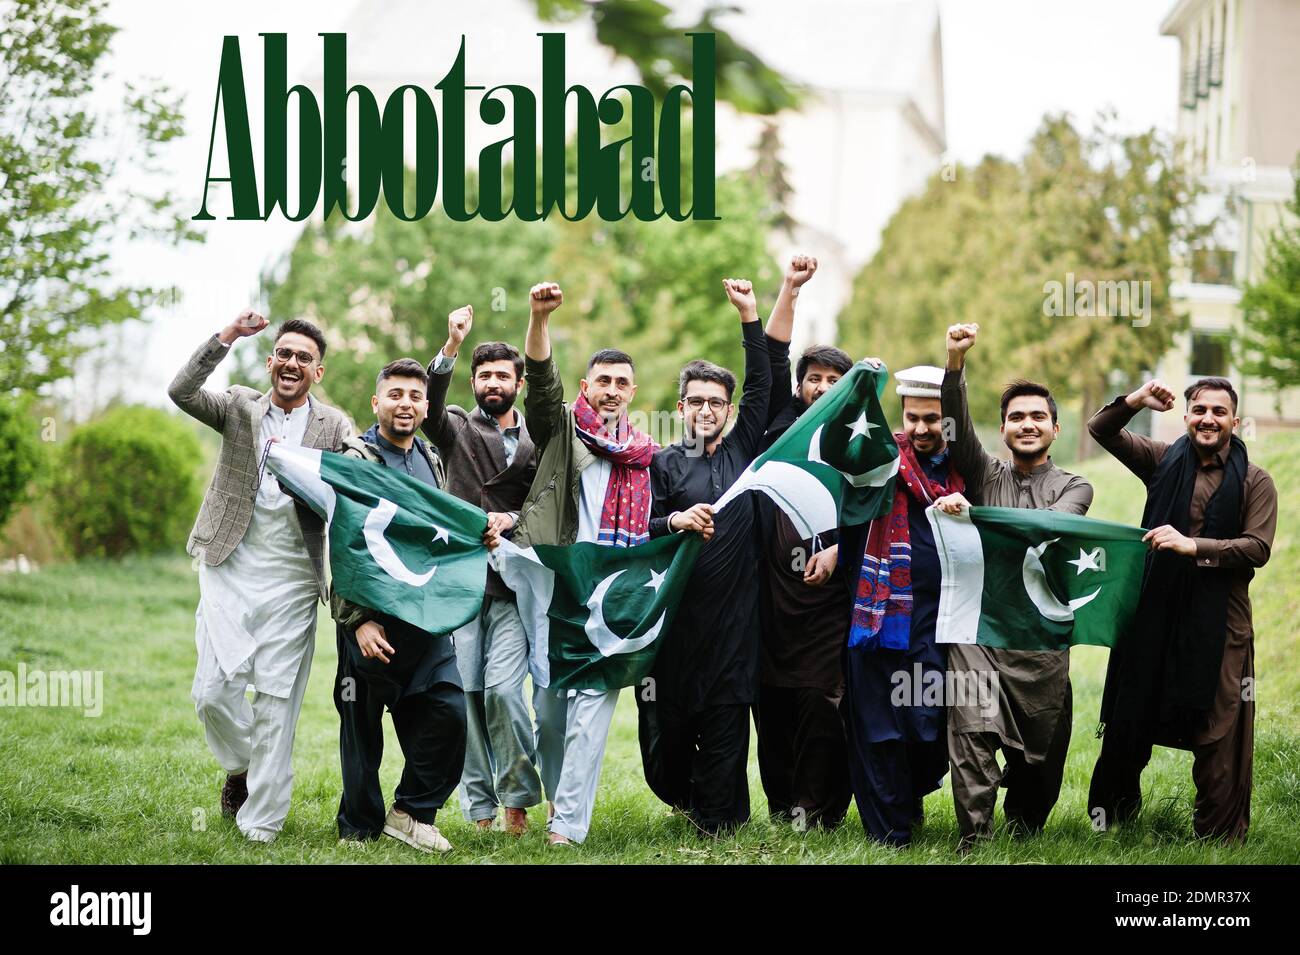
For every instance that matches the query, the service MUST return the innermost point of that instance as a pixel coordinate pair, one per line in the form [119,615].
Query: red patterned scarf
[625,515]
[882,607]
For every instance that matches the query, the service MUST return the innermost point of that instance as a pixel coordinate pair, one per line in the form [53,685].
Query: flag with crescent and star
[594,613]
[836,464]
[396,544]
[1023,579]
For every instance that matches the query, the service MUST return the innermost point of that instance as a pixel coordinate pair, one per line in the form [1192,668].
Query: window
[1209,355]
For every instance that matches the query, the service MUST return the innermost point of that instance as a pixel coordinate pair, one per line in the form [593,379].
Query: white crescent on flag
[876,477]
[1048,604]
[598,632]
[376,523]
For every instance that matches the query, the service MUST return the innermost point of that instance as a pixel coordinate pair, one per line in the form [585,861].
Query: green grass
[132,785]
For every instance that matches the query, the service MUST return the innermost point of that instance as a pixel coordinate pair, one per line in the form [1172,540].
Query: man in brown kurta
[1032,720]
[1222,739]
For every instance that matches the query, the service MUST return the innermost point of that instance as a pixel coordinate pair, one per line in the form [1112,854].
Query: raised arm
[970,459]
[780,324]
[544,400]
[186,390]
[1136,452]
[440,427]
[751,418]
[779,331]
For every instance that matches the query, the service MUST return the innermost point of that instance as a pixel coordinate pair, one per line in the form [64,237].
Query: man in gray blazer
[261,566]
[490,463]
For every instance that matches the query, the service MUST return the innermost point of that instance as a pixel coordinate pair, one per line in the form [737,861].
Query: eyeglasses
[695,403]
[305,359]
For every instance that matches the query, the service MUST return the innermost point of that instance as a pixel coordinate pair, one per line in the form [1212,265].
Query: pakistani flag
[596,613]
[397,545]
[836,464]
[1023,579]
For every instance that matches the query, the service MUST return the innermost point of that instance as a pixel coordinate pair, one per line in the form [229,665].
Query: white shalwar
[573,725]
[256,624]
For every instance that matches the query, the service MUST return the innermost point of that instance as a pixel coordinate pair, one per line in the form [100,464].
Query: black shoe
[234,794]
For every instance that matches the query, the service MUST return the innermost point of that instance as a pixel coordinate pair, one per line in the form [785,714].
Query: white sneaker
[419,835]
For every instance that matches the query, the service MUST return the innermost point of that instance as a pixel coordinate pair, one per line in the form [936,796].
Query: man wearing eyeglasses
[694,715]
[261,566]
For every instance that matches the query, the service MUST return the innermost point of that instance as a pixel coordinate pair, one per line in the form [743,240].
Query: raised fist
[459,323]
[802,268]
[544,298]
[249,322]
[741,294]
[962,337]
[1155,394]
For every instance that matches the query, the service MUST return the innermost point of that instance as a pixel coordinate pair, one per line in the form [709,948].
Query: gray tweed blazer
[237,414]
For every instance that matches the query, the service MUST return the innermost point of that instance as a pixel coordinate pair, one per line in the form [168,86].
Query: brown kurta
[1223,746]
[1032,720]
[1033,683]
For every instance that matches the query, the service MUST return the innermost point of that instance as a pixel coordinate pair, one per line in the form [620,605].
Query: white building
[1240,125]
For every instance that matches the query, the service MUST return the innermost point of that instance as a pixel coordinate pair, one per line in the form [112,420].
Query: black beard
[494,405]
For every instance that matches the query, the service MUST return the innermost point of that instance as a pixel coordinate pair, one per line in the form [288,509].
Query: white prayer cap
[920,381]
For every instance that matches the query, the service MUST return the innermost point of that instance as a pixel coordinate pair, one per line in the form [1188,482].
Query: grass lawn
[137,784]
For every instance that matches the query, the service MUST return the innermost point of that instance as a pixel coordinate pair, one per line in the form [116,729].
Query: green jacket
[345,611]
[550,512]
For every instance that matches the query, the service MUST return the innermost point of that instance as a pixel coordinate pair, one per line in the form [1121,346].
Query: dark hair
[1211,384]
[496,351]
[827,356]
[402,368]
[303,327]
[611,356]
[701,370]
[1021,387]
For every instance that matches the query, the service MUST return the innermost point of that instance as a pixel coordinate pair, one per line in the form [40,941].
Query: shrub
[20,456]
[126,482]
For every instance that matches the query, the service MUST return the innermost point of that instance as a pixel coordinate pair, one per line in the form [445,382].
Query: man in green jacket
[593,485]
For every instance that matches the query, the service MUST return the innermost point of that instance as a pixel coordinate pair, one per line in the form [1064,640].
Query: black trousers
[802,757]
[421,688]
[696,763]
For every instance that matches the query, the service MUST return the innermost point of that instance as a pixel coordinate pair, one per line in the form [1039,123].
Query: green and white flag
[836,464]
[596,613]
[1023,579]
[396,544]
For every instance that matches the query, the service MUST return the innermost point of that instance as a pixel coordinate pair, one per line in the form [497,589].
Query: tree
[61,205]
[1077,210]
[383,290]
[1269,347]
[638,30]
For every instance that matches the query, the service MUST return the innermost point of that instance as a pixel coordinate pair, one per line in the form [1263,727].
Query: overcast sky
[1006,63]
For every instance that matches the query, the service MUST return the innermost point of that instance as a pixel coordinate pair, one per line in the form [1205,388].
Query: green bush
[20,456]
[126,482]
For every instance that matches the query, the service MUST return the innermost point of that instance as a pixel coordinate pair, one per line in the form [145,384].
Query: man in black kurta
[694,715]
[804,609]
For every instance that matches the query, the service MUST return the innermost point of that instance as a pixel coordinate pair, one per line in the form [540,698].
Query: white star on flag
[1087,561]
[656,579]
[861,427]
[442,535]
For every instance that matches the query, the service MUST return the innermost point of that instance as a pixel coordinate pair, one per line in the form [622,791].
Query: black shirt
[711,654]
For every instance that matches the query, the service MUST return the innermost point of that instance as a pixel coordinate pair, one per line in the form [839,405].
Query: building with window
[1240,125]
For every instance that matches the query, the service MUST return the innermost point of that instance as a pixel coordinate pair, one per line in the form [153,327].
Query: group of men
[809,636]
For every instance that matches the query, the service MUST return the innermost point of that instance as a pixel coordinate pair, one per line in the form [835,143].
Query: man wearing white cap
[1031,722]
[898,751]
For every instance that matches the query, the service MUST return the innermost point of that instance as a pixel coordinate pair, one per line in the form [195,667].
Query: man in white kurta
[256,624]
[261,567]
